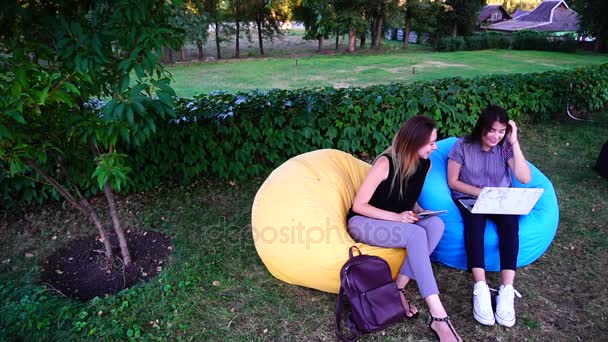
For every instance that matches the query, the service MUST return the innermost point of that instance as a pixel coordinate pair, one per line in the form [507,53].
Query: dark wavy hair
[486,119]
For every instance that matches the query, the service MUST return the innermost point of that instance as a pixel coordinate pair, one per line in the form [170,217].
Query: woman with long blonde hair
[386,213]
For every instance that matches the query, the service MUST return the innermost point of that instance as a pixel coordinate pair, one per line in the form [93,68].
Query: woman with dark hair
[385,213]
[486,158]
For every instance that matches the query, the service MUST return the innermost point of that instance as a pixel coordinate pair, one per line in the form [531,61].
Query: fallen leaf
[265,331]
[29,255]
[232,183]
[232,310]
[159,268]
[6,261]
[54,237]
[216,283]
[59,271]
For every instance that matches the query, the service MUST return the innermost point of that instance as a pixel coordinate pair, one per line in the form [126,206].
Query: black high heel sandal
[409,305]
[446,320]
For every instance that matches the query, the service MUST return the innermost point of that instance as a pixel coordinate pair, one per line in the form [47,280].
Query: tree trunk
[372,30]
[362,39]
[599,40]
[454,30]
[237,52]
[352,40]
[83,206]
[167,57]
[408,27]
[337,37]
[258,22]
[377,41]
[200,50]
[217,40]
[183,54]
[321,40]
[122,240]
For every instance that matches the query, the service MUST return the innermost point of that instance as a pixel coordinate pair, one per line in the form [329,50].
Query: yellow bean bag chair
[299,219]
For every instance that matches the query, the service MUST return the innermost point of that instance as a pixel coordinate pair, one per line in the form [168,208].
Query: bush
[477,41]
[247,134]
[532,40]
[496,40]
[446,44]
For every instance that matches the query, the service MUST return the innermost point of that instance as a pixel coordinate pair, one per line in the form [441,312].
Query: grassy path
[365,69]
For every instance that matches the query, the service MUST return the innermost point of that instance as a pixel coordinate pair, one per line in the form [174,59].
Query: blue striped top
[482,168]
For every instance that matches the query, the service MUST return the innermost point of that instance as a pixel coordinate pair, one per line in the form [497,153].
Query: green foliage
[447,44]
[532,40]
[237,136]
[51,122]
[246,134]
[486,40]
[522,40]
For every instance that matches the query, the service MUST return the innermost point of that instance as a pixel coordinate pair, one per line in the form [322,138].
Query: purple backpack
[373,296]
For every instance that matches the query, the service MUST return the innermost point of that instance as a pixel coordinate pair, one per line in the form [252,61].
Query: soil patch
[78,271]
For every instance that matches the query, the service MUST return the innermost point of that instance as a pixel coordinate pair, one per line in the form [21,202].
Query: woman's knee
[418,235]
[435,225]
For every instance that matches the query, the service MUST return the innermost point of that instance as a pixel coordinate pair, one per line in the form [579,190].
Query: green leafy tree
[593,20]
[213,9]
[191,18]
[319,19]
[462,15]
[237,12]
[57,60]
[350,16]
[268,16]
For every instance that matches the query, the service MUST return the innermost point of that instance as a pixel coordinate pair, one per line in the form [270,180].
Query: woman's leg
[507,227]
[474,233]
[508,242]
[417,264]
[433,227]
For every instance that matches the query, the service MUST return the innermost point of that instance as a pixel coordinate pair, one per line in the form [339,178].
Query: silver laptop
[507,201]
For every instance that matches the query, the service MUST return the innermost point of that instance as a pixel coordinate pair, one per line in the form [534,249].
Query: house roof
[549,16]
[518,13]
[486,12]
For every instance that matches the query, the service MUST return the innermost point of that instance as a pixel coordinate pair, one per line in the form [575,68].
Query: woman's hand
[408,217]
[513,135]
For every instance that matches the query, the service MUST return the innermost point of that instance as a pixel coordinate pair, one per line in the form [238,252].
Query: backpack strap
[350,251]
[348,323]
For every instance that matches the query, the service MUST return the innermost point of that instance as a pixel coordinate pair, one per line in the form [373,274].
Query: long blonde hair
[413,134]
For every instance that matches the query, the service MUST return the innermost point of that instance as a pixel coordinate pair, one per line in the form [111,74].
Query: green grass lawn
[343,70]
[216,288]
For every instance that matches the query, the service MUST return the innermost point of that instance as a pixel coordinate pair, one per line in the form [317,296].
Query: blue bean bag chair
[536,230]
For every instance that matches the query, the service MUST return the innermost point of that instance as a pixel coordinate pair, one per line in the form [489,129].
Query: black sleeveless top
[384,198]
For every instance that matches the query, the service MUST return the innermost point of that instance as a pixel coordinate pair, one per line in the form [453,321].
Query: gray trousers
[420,239]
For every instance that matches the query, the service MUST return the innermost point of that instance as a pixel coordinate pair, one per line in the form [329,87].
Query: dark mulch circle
[78,271]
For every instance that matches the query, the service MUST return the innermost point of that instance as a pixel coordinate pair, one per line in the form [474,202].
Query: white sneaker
[482,304]
[505,312]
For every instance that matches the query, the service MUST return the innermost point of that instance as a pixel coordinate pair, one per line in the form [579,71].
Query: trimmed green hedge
[238,136]
[521,40]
